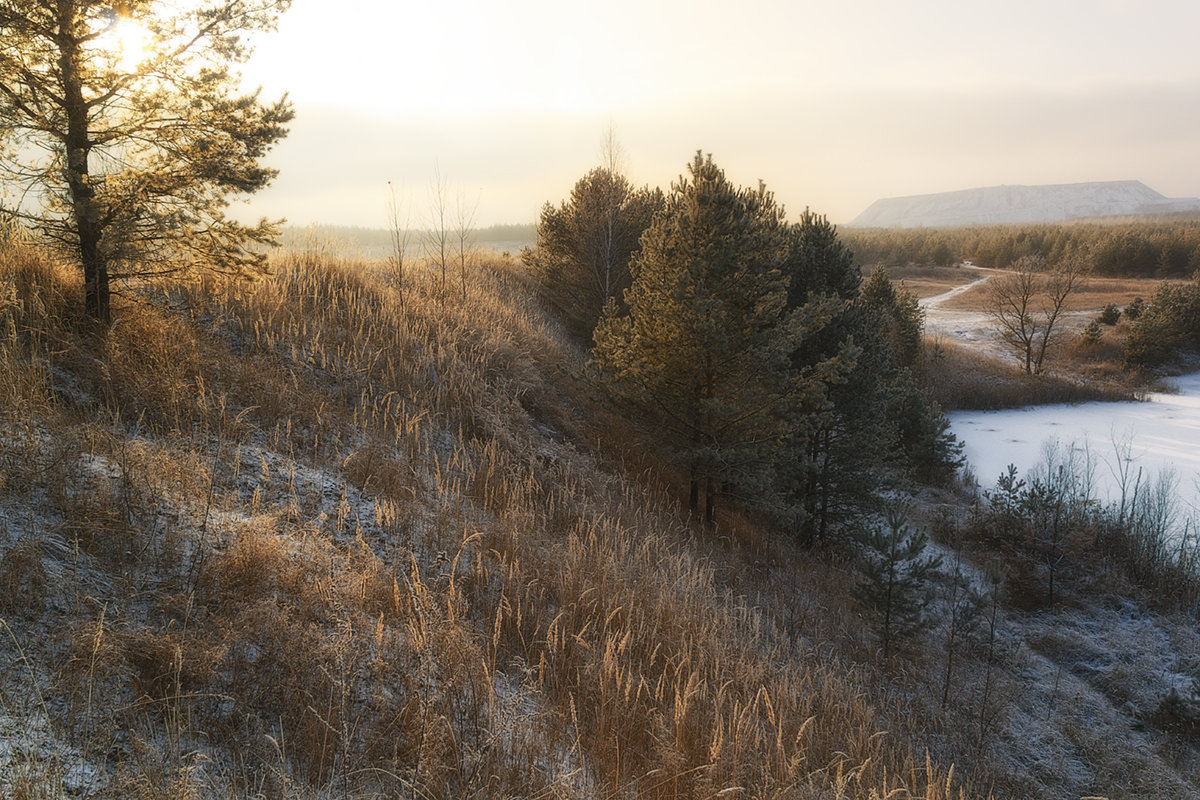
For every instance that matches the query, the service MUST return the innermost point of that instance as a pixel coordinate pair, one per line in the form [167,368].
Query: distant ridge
[1000,205]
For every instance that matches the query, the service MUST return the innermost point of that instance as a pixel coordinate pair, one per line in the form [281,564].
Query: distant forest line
[1167,247]
[378,241]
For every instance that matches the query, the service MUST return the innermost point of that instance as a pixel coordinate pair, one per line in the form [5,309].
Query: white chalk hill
[999,205]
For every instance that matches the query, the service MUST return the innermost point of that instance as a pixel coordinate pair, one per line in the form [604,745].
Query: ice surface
[1162,434]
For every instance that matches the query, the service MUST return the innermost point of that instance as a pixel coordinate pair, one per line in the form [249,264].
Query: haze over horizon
[833,105]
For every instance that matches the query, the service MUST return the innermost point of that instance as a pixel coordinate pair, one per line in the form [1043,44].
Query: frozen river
[1159,436]
[1155,436]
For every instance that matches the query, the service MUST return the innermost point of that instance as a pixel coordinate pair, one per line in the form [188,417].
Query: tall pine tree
[839,437]
[705,344]
[127,161]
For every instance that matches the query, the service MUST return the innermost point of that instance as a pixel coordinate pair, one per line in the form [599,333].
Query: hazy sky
[834,104]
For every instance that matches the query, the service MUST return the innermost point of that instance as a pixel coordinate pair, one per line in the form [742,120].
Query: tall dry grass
[961,378]
[300,539]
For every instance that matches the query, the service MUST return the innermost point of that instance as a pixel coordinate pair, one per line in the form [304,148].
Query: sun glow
[135,45]
[127,43]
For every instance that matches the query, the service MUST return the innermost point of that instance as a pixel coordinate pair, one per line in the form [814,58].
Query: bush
[1179,715]
[1135,309]
[1170,324]
[1109,315]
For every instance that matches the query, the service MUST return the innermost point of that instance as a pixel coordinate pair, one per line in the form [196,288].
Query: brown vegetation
[962,378]
[927,281]
[288,539]
[1091,296]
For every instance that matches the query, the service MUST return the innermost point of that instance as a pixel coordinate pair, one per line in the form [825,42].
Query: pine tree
[900,318]
[584,246]
[893,576]
[819,263]
[923,439]
[839,436]
[126,160]
[705,344]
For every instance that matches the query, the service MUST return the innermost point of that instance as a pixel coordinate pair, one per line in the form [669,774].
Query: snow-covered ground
[972,328]
[1156,437]
[976,329]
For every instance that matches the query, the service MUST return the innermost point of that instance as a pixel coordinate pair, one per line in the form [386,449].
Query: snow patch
[1143,440]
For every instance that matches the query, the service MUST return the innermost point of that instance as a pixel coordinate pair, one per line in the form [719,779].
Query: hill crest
[1021,204]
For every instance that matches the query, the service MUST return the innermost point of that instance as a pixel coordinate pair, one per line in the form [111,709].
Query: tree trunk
[97,295]
[710,501]
[83,192]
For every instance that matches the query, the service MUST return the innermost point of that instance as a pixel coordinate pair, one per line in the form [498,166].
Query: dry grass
[961,378]
[310,538]
[1093,295]
[927,281]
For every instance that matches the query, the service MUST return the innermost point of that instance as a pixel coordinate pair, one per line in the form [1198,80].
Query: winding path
[937,299]
[974,329]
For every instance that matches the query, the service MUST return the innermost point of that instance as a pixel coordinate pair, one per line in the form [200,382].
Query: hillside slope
[997,205]
[310,538]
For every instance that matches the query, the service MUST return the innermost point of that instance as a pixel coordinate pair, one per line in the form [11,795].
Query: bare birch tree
[1027,305]
[464,234]
[437,233]
[399,219]
[586,243]
[612,161]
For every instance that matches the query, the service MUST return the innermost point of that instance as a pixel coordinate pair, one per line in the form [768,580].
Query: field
[971,368]
[314,537]
[1092,296]
[929,281]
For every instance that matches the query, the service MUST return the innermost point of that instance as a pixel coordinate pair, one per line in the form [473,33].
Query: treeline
[1158,248]
[773,376]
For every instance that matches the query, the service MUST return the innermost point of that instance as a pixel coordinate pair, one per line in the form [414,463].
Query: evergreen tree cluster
[1165,327]
[585,244]
[1162,248]
[777,379]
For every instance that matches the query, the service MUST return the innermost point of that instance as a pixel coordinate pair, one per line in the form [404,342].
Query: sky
[834,104]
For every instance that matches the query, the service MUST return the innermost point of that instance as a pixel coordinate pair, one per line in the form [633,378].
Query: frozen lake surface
[1160,434]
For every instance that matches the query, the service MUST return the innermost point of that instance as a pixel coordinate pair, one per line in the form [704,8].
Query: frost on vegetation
[33,758]
[520,723]
[28,766]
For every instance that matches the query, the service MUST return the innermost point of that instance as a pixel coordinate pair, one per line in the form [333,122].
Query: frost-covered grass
[307,538]
[310,538]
